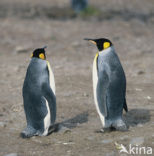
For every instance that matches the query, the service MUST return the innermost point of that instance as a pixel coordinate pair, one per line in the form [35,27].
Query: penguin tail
[53,128]
[125,105]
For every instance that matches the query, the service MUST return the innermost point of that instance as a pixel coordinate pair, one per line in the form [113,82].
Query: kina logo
[133,149]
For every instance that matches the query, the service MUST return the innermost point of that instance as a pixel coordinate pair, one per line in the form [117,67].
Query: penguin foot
[122,128]
[104,130]
[28,132]
[25,135]
[53,128]
[119,125]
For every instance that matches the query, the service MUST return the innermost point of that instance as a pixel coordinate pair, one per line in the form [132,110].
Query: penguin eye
[106,45]
[41,56]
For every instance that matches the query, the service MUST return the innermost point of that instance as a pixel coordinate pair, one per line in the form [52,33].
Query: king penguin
[109,86]
[39,96]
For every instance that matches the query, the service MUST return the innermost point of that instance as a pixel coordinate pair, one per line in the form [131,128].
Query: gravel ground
[71,59]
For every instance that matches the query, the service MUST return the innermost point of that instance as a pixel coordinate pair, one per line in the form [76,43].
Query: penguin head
[101,43]
[39,53]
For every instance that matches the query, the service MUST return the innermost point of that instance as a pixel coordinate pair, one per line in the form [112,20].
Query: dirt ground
[130,28]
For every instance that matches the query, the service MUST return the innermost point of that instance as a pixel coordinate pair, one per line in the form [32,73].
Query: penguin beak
[44,47]
[90,40]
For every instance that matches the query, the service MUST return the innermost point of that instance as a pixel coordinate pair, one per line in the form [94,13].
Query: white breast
[47,119]
[95,81]
[51,78]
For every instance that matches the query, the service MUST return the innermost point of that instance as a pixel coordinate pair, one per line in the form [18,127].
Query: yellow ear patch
[32,55]
[106,45]
[95,59]
[41,56]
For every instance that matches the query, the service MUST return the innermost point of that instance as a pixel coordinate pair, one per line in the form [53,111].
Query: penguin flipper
[125,105]
[51,98]
[101,89]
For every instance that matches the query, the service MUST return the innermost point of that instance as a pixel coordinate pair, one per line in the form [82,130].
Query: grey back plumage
[111,85]
[36,91]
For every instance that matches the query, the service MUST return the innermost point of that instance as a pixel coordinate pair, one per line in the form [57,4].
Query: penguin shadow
[135,117]
[75,121]
[70,123]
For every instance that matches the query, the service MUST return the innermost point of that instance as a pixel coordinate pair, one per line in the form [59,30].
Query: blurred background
[62,25]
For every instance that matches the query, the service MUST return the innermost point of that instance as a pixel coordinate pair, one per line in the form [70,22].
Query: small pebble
[68,143]
[139,125]
[138,89]
[36,140]
[106,141]
[85,94]
[148,97]
[2,124]
[140,72]
[137,141]
[124,137]
[90,138]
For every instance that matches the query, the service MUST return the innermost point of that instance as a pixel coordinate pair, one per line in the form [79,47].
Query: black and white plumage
[39,96]
[109,85]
